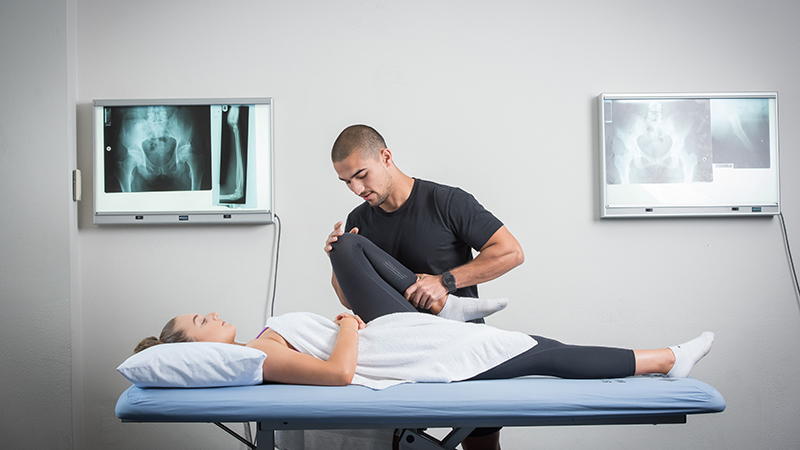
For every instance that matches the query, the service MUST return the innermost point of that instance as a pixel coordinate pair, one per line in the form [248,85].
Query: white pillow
[194,364]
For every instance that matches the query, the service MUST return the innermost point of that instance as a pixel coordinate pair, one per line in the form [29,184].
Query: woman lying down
[396,343]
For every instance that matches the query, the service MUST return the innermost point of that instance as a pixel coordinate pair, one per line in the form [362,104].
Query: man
[429,228]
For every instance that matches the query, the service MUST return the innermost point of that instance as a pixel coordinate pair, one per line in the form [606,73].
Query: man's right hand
[334,236]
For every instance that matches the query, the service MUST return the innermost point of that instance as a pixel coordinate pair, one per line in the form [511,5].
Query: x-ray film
[157,148]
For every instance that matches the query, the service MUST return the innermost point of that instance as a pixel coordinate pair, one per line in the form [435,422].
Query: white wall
[498,99]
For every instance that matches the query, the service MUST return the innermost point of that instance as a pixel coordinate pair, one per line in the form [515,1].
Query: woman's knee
[349,239]
[346,247]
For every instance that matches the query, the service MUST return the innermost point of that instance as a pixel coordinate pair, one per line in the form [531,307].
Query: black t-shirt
[434,231]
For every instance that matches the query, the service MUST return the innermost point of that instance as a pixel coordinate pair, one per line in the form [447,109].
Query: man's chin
[374,200]
[376,203]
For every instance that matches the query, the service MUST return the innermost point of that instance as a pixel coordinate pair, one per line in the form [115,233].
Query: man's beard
[381,198]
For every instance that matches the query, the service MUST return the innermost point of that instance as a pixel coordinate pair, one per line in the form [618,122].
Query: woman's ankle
[438,305]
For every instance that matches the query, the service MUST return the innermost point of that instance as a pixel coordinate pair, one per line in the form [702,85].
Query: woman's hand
[360,325]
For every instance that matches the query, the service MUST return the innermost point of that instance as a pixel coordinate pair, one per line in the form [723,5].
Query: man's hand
[428,290]
[334,236]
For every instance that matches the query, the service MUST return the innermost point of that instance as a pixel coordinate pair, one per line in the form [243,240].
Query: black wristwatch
[449,282]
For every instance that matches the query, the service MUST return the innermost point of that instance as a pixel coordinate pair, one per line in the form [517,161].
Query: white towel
[406,347]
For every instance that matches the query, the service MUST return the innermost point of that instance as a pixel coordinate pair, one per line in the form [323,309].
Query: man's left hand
[426,291]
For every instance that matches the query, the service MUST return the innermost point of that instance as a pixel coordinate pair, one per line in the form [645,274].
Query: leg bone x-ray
[233,156]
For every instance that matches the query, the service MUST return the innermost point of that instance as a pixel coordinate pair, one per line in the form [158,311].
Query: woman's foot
[465,308]
[689,353]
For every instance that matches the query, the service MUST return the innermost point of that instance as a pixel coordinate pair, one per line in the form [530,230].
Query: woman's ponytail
[147,343]
[169,334]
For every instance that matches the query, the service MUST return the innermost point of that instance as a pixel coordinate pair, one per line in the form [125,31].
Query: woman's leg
[372,281]
[552,358]
[654,361]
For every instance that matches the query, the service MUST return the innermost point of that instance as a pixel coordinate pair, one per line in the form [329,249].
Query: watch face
[449,281]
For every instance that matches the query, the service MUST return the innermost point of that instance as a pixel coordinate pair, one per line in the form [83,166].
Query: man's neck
[401,191]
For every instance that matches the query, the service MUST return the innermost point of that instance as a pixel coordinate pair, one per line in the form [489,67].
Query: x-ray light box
[183,161]
[689,154]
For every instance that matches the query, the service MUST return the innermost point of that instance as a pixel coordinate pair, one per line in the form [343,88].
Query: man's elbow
[508,249]
[517,256]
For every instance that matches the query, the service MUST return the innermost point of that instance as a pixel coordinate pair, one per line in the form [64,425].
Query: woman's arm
[284,364]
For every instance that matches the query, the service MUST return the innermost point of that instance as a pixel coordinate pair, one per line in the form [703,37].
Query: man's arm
[500,254]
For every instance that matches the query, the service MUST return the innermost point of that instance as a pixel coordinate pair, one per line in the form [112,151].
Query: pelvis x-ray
[178,148]
[681,140]
[660,141]
[157,148]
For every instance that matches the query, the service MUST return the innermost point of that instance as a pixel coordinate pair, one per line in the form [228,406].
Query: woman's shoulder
[268,339]
[297,316]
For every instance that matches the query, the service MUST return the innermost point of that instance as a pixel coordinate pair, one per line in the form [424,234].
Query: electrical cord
[270,310]
[791,259]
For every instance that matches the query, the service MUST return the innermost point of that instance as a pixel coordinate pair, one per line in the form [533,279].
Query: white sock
[465,308]
[687,354]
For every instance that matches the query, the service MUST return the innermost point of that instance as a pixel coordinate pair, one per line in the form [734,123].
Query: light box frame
[207,204]
[722,190]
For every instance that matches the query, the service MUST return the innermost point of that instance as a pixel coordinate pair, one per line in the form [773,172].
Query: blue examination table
[463,406]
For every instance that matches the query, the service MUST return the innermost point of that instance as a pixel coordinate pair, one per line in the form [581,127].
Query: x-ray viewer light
[689,154]
[183,161]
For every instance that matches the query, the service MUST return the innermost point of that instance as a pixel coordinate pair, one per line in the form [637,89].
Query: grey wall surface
[499,99]
[38,232]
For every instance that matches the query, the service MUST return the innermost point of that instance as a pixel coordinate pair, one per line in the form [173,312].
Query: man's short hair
[362,138]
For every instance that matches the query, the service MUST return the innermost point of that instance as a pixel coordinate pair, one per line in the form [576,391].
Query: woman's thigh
[372,281]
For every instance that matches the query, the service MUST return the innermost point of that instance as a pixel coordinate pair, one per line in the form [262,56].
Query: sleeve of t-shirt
[470,220]
[348,224]
[354,218]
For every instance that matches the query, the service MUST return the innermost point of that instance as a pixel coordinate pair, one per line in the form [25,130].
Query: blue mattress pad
[527,401]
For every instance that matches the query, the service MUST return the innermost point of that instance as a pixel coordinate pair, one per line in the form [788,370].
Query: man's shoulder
[428,184]
[445,195]
[438,189]
[360,210]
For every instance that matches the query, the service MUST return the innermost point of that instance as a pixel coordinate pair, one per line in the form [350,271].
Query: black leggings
[373,283]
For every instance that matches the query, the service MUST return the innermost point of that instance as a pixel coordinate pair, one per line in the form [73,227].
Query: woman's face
[208,328]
